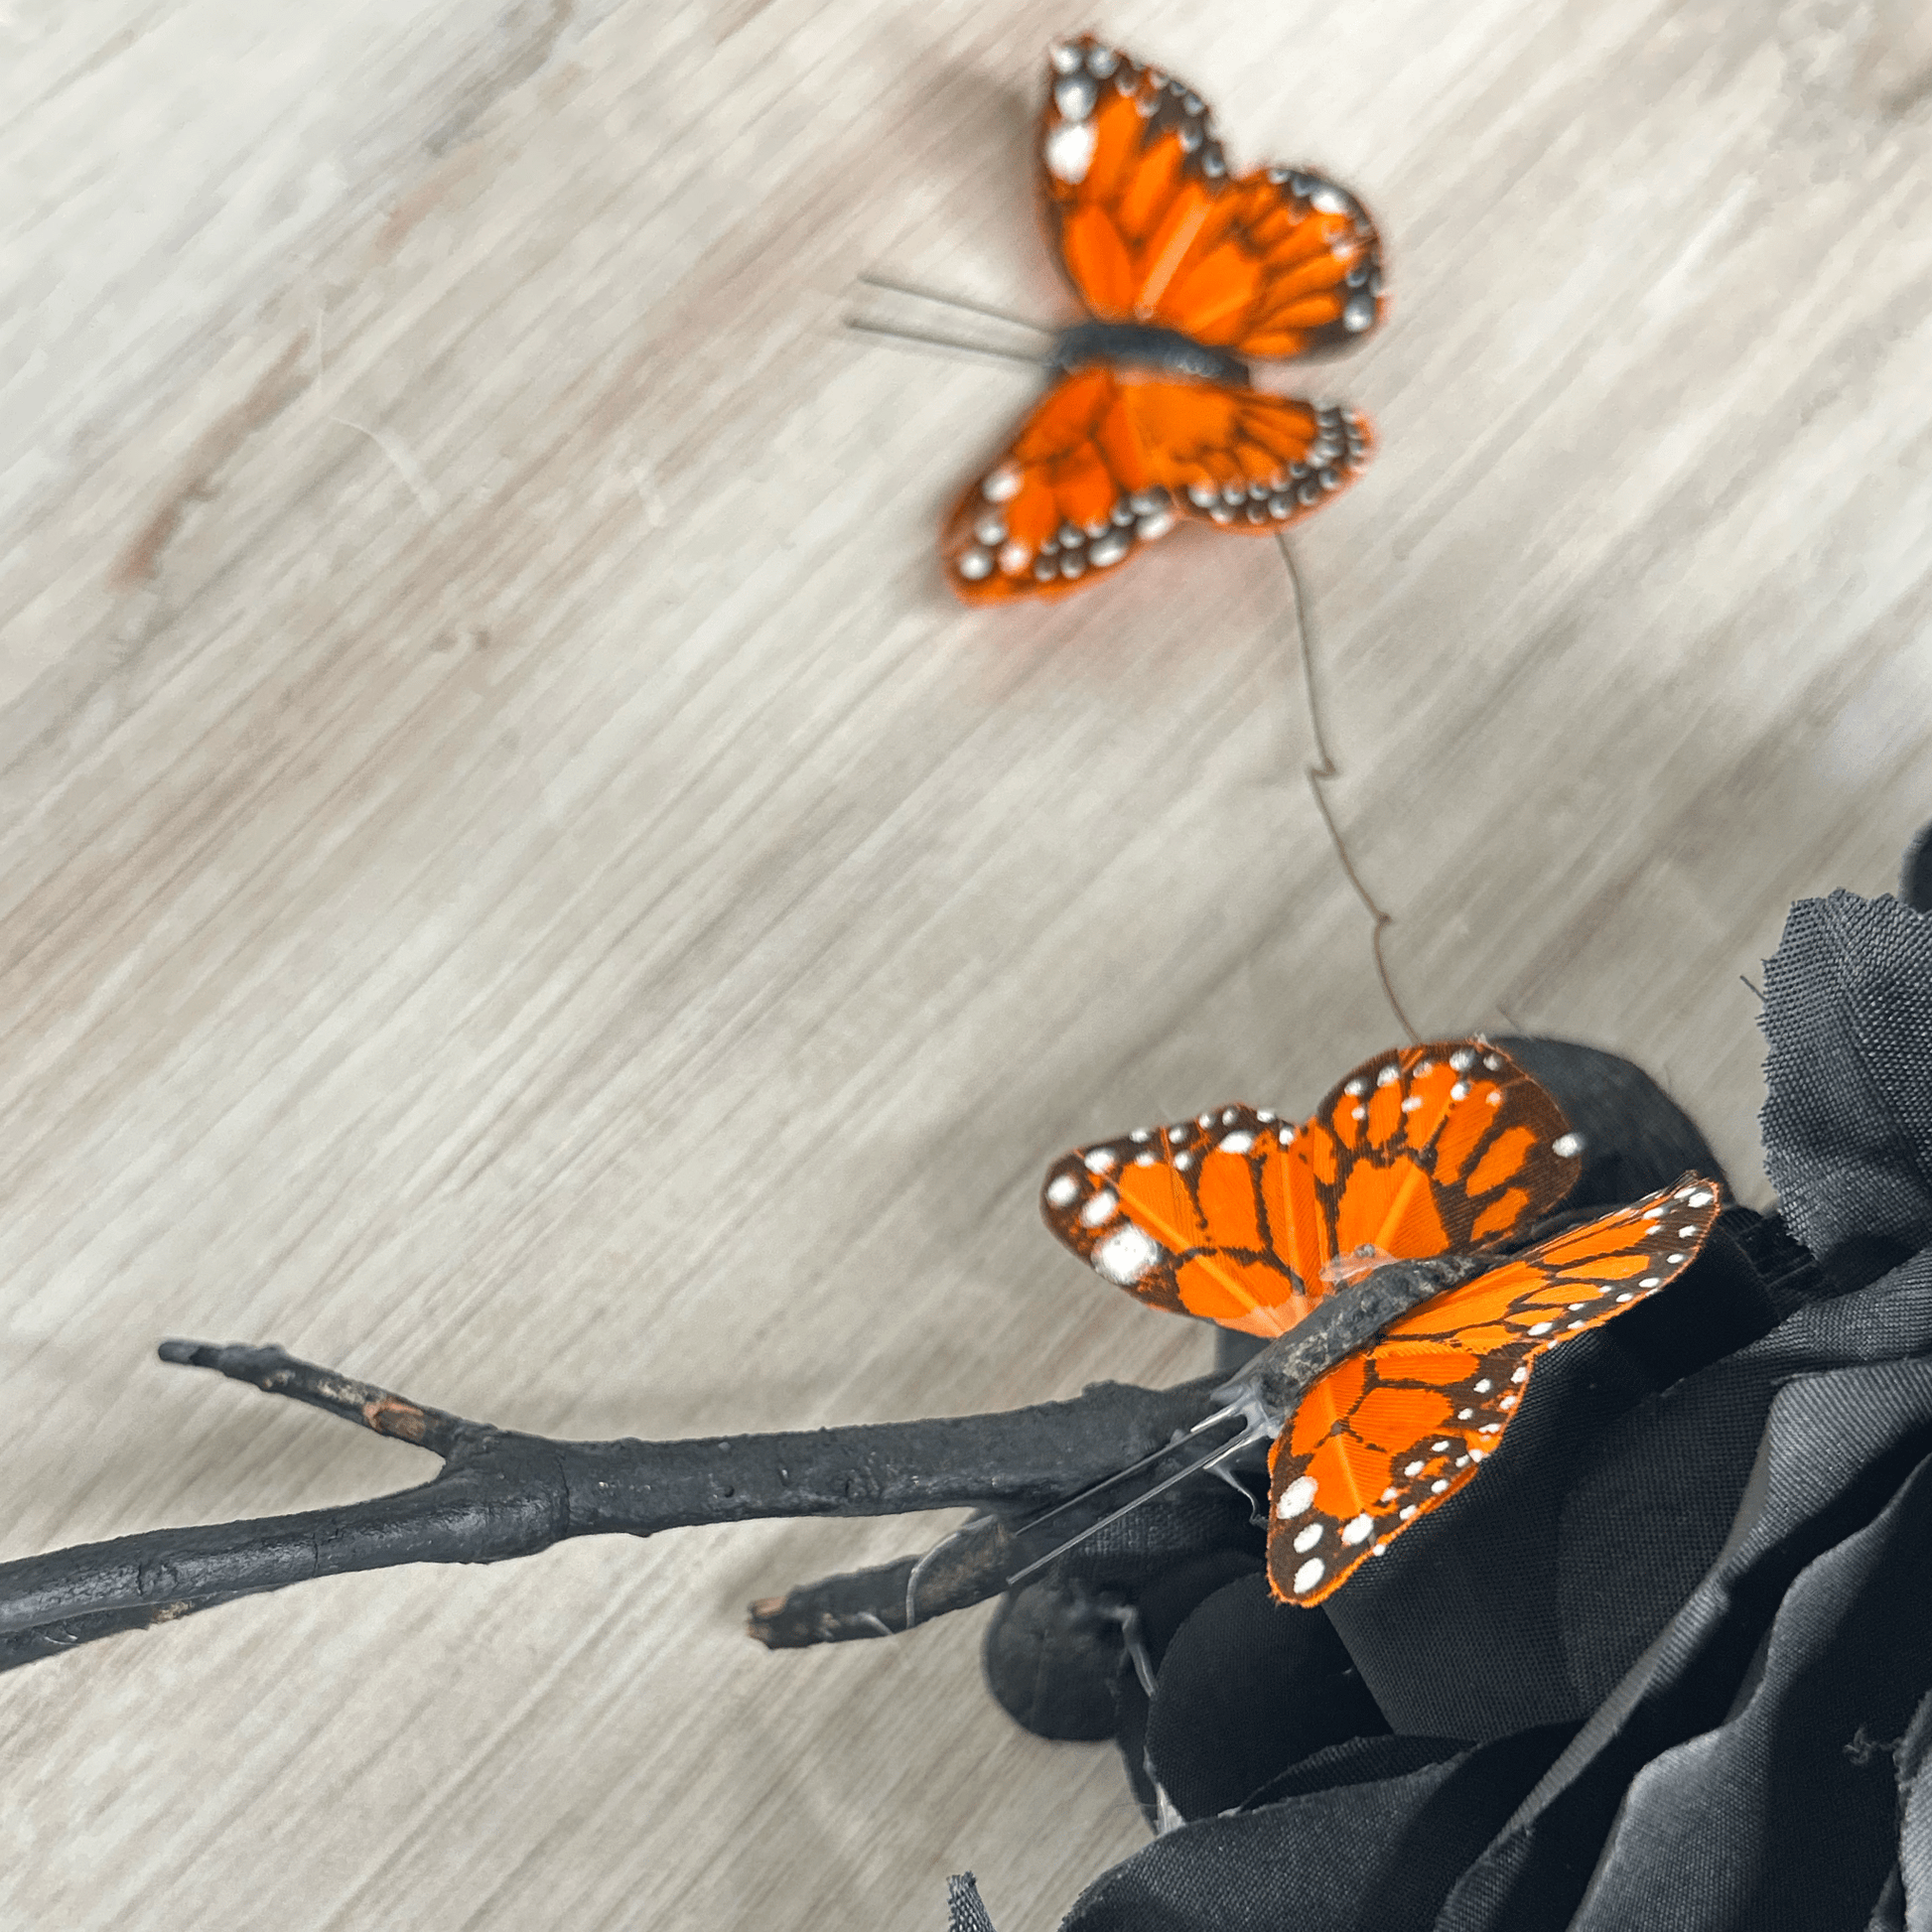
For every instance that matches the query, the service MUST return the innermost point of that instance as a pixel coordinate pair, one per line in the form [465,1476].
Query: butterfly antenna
[1320,772]
[1133,1468]
[1255,1432]
[943,342]
[921,294]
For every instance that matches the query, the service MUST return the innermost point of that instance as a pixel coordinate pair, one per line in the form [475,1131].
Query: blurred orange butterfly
[1422,1152]
[1188,272]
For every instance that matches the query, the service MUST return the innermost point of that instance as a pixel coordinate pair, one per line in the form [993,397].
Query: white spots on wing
[1074,96]
[1522,1374]
[1567,1146]
[1358,1113]
[1687,1234]
[1540,1327]
[1109,550]
[1410,1105]
[1327,199]
[1157,523]
[1181,1133]
[1651,1281]
[1237,1143]
[1389,1075]
[1460,1090]
[1405,1512]
[1355,1086]
[1438,1445]
[991,529]
[1286,1136]
[1229,1115]
[1310,1574]
[1101,1160]
[1626,1296]
[1356,1530]
[1100,1209]
[1465,1415]
[1002,486]
[1462,1060]
[1491,1427]
[975,564]
[1062,1190]
[1669,1261]
[1388,1495]
[1264,1114]
[1482,1387]
[1066,58]
[1101,62]
[1306,1537]
[1698,1198]
[1437,1487]
[1413,1468]
[1296,1498]
[1494,1096]
[1184,1162]
[1359,312]
[1069,151]
[1493,1061]
[1140,1134]
[1144,1159]
[1653,1213]
[1476,1454]
[1124,1256]
[1014,558]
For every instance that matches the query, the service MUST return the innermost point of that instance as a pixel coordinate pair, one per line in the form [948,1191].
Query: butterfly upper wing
[1108,458]
[1235,1215]
[1152,228]
[1403,1424]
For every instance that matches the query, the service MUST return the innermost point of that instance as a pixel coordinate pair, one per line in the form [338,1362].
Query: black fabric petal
[1246,1689]
[1848,1120]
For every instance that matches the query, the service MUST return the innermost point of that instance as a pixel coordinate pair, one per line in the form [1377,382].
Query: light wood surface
[520,883]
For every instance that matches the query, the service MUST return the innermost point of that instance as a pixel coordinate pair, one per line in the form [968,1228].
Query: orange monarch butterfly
[1188,272]
[1418,1157]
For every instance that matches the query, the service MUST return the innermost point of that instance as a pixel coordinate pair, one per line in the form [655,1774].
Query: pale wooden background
[519,882]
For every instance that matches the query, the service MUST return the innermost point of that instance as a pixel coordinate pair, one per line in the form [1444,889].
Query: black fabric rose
[1669,1663]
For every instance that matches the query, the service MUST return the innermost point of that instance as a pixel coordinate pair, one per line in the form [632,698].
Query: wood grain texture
[518,881]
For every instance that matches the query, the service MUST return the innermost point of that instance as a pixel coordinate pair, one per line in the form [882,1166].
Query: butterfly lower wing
[1191,1219]
[1242,458]
[1071,497]
[1152,228]
[1404,1424]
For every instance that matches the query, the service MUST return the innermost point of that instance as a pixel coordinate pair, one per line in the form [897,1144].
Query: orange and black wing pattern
[1109,458]
[1403,1424]
[1236,1215]
[1152,229]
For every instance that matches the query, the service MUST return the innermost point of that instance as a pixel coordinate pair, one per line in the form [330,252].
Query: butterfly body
[1128,347]
[1188,274]
[1381,1394]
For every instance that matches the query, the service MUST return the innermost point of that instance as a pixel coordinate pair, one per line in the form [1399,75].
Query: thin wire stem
[1320,773]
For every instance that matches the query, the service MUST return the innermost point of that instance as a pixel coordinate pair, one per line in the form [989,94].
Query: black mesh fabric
[1669,1663]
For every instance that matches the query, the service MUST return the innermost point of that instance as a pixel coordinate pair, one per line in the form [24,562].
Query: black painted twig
[501,1495]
